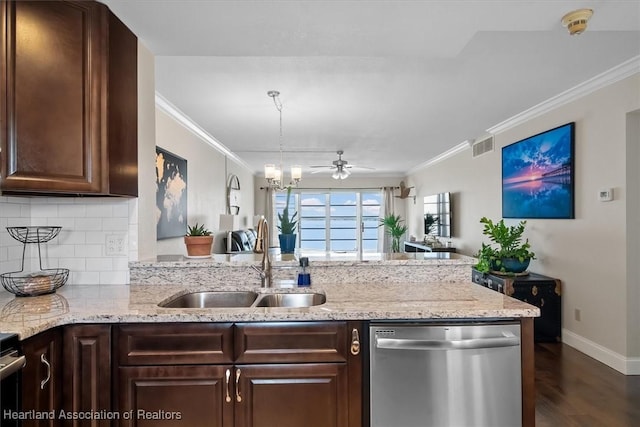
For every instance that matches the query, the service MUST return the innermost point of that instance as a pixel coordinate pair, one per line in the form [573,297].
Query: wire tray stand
[44,281]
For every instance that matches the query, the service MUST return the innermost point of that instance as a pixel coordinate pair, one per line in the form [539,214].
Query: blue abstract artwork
[538,175]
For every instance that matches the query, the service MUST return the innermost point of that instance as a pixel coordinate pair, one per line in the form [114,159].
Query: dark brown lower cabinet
[172,396]
[87,374]
[42,377]
[267,374]
[289,395]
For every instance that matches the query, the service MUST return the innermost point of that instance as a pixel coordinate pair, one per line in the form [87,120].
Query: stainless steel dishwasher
[445,375]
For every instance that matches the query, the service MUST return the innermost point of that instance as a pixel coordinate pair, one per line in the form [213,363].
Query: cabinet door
[87,372]
[41,377]
[176,396]
[51,96]
[309,395]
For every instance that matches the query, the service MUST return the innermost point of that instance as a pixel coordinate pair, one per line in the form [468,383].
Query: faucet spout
[263,237]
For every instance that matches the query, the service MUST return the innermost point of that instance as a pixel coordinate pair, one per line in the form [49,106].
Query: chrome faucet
[265,267]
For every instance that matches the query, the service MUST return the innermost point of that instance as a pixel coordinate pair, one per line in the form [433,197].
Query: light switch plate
[605,195]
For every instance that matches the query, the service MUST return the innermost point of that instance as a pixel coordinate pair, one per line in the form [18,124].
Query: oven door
[11,363]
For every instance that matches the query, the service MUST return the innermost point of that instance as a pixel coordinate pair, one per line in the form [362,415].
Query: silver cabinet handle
[48,365]
[238,397]
[228,377]
[405,344]
[355,342]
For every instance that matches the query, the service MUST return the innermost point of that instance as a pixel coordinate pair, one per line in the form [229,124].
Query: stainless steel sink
[291,300]
[230,299]
[212,300]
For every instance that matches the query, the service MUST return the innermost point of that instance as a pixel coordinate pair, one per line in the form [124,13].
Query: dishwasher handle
[474,343]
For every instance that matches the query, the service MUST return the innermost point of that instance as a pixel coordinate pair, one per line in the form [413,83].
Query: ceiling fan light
[336,175]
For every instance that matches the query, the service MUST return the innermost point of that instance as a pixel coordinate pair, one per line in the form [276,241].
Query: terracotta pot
[198,245]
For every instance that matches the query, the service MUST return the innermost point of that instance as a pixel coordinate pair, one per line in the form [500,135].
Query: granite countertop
[317,259]
[360,301]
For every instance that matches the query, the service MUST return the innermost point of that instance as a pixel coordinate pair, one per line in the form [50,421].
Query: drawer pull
[48,365]
[355,342]
[228,378]
[238,397]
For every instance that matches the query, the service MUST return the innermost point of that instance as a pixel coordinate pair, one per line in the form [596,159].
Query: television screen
[538,175]
[437,215]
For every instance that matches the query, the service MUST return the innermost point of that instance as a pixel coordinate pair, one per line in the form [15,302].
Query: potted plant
[507,254]
[198,241]
[394,227]
[287,228]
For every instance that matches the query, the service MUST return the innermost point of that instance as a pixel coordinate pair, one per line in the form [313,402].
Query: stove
[11,363]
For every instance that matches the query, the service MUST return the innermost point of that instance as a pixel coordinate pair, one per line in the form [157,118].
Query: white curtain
[384,244]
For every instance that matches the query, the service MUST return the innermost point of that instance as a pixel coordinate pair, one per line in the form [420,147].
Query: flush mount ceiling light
[273,173]
[576,21]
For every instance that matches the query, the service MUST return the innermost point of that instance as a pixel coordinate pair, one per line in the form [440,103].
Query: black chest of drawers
[538,290]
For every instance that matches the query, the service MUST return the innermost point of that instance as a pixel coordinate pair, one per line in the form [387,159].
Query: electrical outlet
[115,245]
[576,314]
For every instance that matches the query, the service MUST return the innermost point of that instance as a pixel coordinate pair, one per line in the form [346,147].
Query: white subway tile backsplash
[95,237]
[81,245]
[99,264]
[11,210]
[73,264]
[88,224]
[89,251]
[44,211]
[115,224]
[121,210]
[99,211]
[72,211]
[61,251]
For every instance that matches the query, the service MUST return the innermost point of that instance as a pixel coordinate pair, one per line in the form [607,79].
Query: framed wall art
[538,175]
[171,194]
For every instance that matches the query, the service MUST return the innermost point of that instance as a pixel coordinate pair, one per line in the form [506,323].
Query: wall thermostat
[605,195]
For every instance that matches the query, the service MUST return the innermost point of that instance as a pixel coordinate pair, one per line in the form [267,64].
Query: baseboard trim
[624,365]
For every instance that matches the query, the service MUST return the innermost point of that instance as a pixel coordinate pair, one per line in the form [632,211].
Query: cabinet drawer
[174,344]
[286,342]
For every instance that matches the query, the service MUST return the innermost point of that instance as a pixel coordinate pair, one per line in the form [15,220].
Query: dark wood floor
[572,389]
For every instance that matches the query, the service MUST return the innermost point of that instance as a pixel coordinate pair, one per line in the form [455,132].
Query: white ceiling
[392,83]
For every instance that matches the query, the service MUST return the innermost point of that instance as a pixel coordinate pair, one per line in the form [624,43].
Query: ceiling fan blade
[322,166]
[320,170]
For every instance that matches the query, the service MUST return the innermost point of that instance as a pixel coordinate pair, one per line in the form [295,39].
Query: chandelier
[273,173]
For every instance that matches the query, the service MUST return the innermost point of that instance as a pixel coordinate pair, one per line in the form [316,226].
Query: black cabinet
[542,291]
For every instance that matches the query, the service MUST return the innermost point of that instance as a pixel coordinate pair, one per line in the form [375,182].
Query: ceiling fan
[340,167]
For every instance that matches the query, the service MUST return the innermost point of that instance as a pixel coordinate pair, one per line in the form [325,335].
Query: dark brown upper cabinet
[68,100]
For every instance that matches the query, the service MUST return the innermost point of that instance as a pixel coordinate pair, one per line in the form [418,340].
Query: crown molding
[440,157]
[615,74]
[186,121]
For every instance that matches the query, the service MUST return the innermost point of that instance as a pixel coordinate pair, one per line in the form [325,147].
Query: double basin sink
[231,299]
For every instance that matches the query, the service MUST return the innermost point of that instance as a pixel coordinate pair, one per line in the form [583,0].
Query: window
[334,220]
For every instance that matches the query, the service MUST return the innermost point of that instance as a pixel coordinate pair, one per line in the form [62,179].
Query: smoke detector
[576,21]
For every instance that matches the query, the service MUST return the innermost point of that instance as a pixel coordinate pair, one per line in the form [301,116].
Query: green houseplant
[198,241]
[507,252]
[394,227]
[287,228]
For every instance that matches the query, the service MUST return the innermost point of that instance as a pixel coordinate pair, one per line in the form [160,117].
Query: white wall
[143,235]
[587,253]
[207,171]
[633,234]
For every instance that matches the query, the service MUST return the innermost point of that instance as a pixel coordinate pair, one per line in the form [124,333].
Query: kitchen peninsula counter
[138,303]
[325,268]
